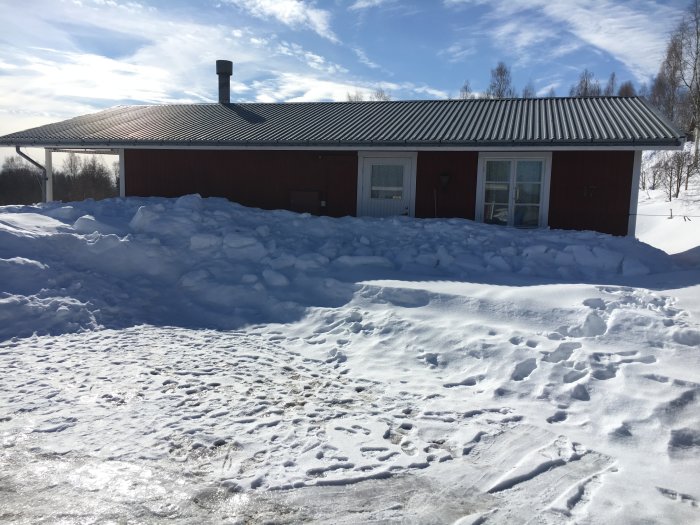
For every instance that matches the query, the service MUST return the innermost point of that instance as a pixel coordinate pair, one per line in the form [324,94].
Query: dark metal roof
[477,123]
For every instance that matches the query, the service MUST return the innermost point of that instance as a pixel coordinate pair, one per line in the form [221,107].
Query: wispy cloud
[312,60]
[458,52]
[164,57]
[366,4]
[292,13]
[364,59]
[632,33]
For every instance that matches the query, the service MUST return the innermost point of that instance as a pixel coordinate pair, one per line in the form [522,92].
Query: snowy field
[195,361]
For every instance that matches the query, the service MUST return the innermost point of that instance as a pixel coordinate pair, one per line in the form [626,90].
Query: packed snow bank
[211,263]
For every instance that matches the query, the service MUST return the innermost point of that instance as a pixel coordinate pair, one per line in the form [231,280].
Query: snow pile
[308,369]
[208,262]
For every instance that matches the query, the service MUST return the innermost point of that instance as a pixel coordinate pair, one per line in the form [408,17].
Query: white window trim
[412,156]
[634,194]
[520,155]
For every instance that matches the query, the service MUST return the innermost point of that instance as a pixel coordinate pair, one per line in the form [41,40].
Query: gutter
[41,181]
[633,144]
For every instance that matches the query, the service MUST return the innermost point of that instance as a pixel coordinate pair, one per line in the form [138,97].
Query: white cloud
[292,87]
[293,13]
[312,60]
[365,4]
[47,75]
[427,90]
[634,33]
[458,52]
[364,59]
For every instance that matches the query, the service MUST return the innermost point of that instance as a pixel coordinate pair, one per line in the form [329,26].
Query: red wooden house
[570,163]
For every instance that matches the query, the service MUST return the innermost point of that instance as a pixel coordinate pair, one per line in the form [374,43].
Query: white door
[386,186]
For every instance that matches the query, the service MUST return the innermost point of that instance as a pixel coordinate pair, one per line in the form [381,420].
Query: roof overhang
[112,147]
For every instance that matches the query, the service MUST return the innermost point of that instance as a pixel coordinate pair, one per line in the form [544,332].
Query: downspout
[42,182]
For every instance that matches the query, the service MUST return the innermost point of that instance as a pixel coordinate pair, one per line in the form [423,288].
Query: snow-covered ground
[193,360]
[671,226]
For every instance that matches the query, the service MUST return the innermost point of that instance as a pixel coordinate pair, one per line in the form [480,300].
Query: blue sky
[63,58]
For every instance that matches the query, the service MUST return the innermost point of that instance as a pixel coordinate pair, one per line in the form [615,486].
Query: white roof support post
[48,183]
[122,174]
[634,194]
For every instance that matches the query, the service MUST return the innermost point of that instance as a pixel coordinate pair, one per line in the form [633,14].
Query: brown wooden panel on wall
[446,183]
[590,190]
[315,181]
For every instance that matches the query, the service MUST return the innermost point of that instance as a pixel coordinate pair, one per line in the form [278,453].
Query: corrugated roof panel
[470,123]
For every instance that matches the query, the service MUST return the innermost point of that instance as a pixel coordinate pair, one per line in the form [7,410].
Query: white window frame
[412,156]
[545,156]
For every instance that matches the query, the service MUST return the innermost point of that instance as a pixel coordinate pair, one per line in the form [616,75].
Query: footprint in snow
[562,353]
[678,496]
[524,369]
[558,417]
[469,381]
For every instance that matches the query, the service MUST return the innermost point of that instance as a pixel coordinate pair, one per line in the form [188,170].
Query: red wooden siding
[296,180]
[458,198]
[590,190]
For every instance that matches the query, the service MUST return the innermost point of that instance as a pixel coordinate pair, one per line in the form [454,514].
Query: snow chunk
[632,266]
[239,246]
[88,224]
[354,261]
[204,241]
[687,337]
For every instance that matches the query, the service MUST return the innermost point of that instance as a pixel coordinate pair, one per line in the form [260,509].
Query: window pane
[527,193]
[496,193]
[498,171]
[526,216]
[387,181]
[529,171]
[496,214]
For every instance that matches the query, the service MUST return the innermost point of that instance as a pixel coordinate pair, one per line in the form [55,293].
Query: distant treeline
[78,179]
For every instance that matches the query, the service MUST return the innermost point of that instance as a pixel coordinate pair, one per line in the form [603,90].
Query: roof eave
[670,143]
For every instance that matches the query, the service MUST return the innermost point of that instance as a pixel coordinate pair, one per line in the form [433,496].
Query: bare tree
[671,169]
[674,172]
[501,85]
[627,89]
[357,96]
[465,92]
[551,93]
[72,165]
[379,95]
[611,86]
[529,90]
[688,33]
[587,86]
[667,90]
[643,91]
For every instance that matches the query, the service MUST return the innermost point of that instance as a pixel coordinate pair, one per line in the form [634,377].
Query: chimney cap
[224,67]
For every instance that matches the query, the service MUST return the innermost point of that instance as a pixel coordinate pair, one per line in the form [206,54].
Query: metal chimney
[224,68]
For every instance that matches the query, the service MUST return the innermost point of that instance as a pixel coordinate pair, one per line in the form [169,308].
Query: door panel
[513,192]
[387,186]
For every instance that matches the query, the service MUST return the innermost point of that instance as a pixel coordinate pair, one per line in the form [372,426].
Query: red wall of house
[297,180]
[458,197]
[590,190]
